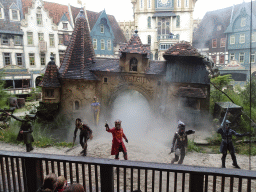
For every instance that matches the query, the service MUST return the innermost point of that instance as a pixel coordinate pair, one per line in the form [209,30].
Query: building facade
[162,23]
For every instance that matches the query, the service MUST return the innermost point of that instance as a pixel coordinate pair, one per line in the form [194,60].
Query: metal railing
[25,172]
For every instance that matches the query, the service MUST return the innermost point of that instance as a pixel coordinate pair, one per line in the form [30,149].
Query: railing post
[107,178]
[196,182]
[33,173]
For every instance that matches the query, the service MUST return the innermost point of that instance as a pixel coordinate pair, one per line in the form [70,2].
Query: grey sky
[122,9]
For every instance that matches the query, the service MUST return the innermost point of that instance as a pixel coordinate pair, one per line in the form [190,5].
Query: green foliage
[193,147]
[215,139]
[250,91]
[3,94]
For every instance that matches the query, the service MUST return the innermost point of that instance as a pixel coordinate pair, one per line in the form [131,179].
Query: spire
[79,56]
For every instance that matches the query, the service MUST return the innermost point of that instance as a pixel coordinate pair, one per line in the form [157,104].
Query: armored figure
[95,106]
[227,144]
[179,142]
[25,133]
[85,134]
[117,142]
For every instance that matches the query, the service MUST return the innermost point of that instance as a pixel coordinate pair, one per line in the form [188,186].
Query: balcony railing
[25,172]
[168,37]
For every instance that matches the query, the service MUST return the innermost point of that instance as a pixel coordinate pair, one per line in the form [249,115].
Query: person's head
[61,182]
[118,124]
[50,181]
[181,126]
[227,124]
[78,122]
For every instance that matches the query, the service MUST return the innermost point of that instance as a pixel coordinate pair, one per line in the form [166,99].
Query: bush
[192,146]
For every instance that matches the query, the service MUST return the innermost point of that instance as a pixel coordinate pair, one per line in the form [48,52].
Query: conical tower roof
[50,79]
[79,56]
[135,45]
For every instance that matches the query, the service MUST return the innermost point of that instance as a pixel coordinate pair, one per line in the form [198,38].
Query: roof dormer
[14,12]
[1,11]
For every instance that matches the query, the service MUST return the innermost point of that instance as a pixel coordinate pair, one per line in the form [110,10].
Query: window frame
[32,38]
[242,54]
[222,59]
[102,44]
[232,39]
[253,37]
[177,21]
[51,40]
[40,36]
[133,65]
[253,54]
[7,39]
[186,3]
[109,45]
[61,35]
[19,40]
[17,12]
[39,17]
[42,58]
[223,42]
[243,22]
[149,3]
[214,42]
[95,43]
[49,93]
[101,28]
[1,11]
[17,59]
[4,60]
[149,22]
[232,55]
[31,55]
[242,38]
[64,25]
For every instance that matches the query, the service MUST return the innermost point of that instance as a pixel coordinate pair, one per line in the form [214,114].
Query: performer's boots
[234,161]
[223,160]
[85,150]
[117,156]
[125,156]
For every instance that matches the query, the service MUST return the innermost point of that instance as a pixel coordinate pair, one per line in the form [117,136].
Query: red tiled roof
[50,78]
[182,49]
[135,45]
[55,10]
[79,56]
[190,92]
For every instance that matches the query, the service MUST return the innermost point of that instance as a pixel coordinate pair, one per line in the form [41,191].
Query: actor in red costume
[117,142]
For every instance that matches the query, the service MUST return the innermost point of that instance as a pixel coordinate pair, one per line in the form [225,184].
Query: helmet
[227,122]
[118,122]
[181,125]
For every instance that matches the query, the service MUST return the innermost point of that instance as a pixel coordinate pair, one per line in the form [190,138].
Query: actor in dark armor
[226,143]
[179,142]
[117,142]
[85,134]
[25,133]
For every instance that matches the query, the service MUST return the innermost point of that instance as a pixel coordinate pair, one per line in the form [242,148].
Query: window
[252,58]
[186,3]
[61,55]
[105,80]
[109,44]
[218,27]
[66,39]
[7,58]
[61,39]
[42,59]
[149,22]
[1,12]
[222,59]
[102,28]
[40,36]
[163,28]
[39,19]
[141,3]
[223,42]
[17,40]
[51,37]
[214,43]
[254,37]
[178,21]
[19,58]
[76,105]
[5,40]
[241,57]
[232,39]
[133,64]
[243,22]
[178,3]
[95,44]
[232,56]
[30,38]
[149,39]
[102,43]
[164,46]
[149,3]
[49,93]
[156,56]
[65,25]
[213,58]
[242,38]
[31,59]
[15,16]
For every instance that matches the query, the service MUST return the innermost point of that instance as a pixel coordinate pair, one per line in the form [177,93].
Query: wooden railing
[25,172]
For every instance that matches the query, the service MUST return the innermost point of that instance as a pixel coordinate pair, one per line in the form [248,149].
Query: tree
[3,93]
[250,89]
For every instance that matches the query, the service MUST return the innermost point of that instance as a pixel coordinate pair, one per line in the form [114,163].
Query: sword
[72,148]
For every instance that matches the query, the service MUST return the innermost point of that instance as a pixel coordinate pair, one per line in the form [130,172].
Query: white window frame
[109,45]
[31,34]
[241,55]
[252,60]
[95,44]
[17,37]
[11,15]
[21,56]
[141,4]
[65,24]
[232,55]
[101,28]
[40,36]
[42,58]
[221,41]
[102,44]
[8,39]
[149,3]
[242,38]
[31,55]
[253,36]
[10,59]
[51,40]
[232,39]
[2,11]
[243,22]
[186,3]
[178,3]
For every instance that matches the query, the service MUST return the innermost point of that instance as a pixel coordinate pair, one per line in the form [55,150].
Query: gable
[14,6]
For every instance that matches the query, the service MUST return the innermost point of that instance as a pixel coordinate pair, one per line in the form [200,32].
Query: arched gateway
[179,81]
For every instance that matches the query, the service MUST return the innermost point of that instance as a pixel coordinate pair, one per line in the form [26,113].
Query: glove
[106,125]
[126,140]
